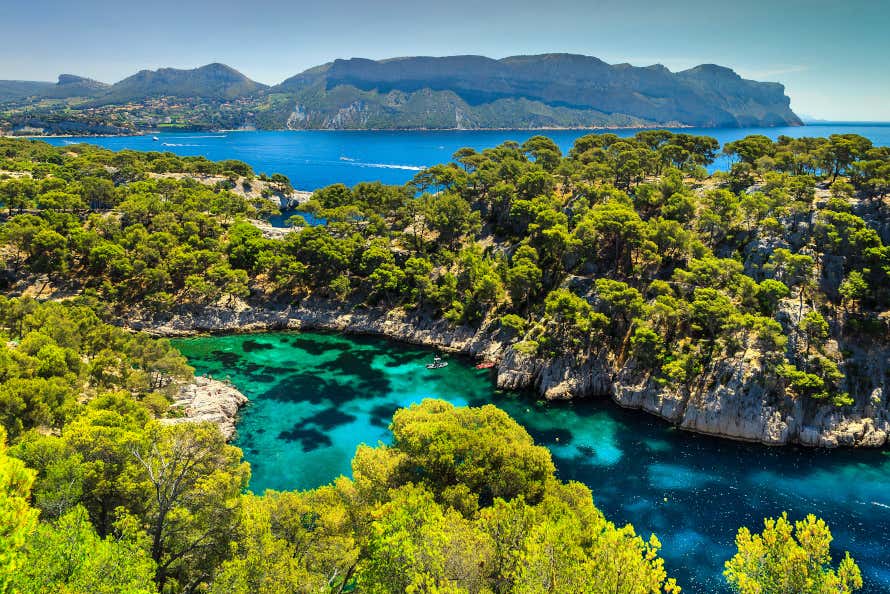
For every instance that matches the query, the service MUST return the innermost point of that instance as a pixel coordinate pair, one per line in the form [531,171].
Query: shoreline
[670,126]
[738,408]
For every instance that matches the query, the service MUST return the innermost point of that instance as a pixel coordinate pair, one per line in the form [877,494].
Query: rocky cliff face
[733,398]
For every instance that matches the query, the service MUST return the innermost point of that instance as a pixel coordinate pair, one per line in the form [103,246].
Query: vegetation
[786,558]
[54,355]
[623,250]
[625,246]
[404,523]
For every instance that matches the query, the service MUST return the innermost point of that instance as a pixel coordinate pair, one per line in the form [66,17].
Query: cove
[314,397]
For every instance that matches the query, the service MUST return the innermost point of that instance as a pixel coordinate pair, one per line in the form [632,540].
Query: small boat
[437,363]
[486,365]
[155,138]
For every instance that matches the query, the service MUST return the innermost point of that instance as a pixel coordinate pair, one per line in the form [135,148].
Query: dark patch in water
[251,367]
[579,468]
[277,370]
[227,358]
[353,362]
[296,388]
[306,387]
[317,347]
[310,438]
[338,393]
[587,450]
[263,378]
[355,367]
[381,415]
[398,358]
[249,346]
[330,418]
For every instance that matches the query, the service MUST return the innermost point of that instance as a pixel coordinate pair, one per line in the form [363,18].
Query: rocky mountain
[67,86]
[558,90]
[71,85]
[543,91]
[213,81]
[11,90]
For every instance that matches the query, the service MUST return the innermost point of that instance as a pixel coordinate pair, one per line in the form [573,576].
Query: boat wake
[387,166]
[179,144]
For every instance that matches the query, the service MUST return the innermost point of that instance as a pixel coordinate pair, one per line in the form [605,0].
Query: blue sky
[831,56]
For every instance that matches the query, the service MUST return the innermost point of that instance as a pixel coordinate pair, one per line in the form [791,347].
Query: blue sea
[317,158]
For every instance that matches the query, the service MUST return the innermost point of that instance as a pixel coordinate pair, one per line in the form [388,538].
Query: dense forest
[625,245]
[625,250]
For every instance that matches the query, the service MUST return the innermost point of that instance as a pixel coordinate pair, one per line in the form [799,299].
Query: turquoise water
[315,397]
[314,159]
[280,220]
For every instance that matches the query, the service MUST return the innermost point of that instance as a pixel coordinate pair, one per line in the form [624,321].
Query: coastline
[731,401]
[667,126]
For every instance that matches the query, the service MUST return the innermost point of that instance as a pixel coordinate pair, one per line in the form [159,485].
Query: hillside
[67,86]
[213,81]
[462,92]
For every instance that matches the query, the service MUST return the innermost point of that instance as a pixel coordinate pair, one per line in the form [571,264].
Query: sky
[831,56]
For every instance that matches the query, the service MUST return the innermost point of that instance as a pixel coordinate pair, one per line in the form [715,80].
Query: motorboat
[438,363]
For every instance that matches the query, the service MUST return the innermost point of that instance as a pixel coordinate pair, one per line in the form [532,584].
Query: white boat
[437,363]
[155,138]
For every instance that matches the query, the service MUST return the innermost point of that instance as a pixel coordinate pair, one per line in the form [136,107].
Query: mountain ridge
[554,90]
[211,81]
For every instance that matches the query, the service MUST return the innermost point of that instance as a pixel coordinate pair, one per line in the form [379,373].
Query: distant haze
[829,55]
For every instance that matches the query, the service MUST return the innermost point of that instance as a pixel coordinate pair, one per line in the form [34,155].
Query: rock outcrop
[733,398]
[209,400]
